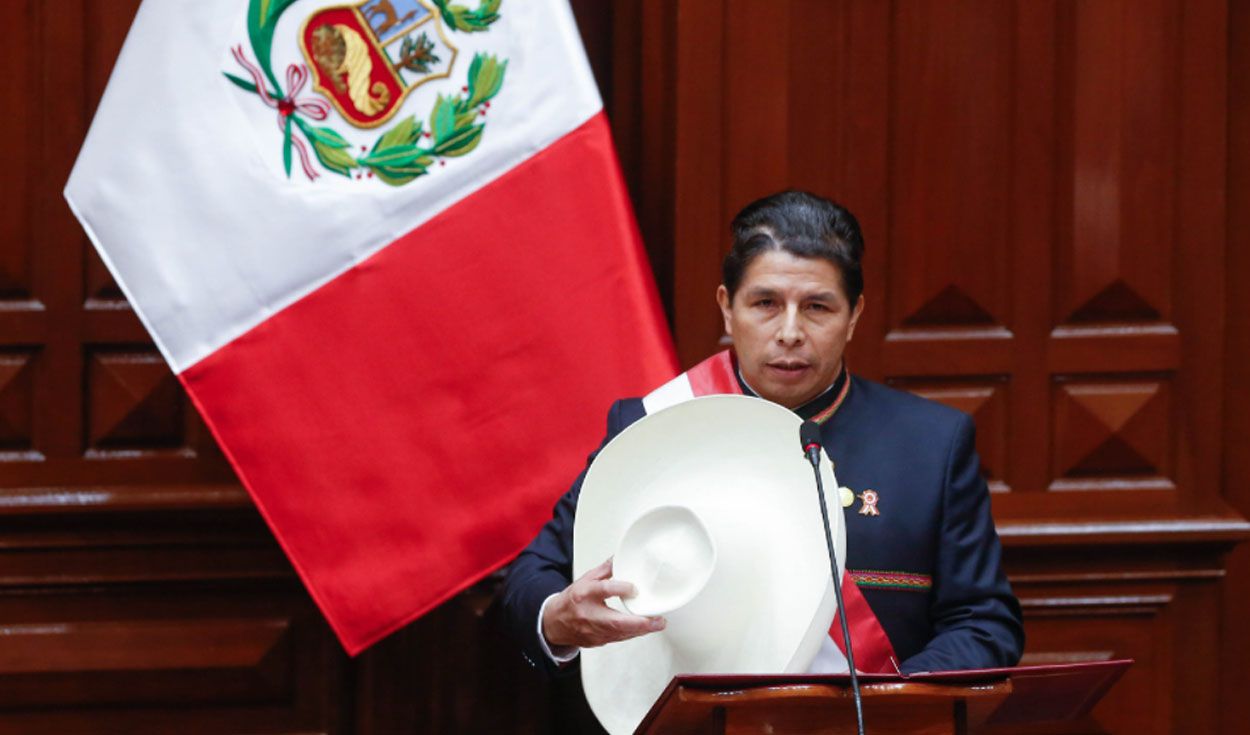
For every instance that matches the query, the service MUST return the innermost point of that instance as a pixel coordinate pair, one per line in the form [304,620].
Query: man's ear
[855,314]
[722,300]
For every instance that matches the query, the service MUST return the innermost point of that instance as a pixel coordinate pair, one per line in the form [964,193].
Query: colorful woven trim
[824,415]
[877,579]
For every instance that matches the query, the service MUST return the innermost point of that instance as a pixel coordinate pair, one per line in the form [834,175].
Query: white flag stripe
[225,146]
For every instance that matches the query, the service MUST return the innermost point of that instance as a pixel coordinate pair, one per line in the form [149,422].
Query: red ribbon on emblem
[296,78]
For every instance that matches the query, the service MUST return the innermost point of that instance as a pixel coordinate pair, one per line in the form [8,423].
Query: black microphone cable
[809,436]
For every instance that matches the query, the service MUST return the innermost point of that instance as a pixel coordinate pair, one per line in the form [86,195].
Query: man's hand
[579,617]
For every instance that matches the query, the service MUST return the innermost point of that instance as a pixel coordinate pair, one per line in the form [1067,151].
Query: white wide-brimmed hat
[710,509]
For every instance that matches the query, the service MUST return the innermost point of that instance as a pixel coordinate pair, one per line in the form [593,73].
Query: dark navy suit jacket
[934,523]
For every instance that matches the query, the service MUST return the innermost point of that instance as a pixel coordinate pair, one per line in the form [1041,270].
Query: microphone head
[809,434]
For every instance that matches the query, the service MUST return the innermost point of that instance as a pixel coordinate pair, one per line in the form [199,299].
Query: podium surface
[930,704]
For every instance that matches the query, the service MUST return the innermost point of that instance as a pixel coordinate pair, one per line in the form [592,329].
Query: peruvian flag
[387,250]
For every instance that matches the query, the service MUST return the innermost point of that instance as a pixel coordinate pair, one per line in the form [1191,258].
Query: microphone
[809,437]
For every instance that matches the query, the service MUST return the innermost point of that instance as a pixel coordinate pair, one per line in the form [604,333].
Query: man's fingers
[614,588]
[629,626]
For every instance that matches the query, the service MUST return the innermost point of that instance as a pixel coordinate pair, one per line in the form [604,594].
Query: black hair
[803,225]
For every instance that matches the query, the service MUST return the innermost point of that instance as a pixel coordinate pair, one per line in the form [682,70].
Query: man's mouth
[788,367]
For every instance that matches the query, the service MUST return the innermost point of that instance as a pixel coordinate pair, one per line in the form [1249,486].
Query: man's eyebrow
[756,292]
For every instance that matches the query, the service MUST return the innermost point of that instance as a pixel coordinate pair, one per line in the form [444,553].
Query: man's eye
[764,302]
[818,307]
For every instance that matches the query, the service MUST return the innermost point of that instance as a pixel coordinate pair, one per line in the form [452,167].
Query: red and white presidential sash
[717,375]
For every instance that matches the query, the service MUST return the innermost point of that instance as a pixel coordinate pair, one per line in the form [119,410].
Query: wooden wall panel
[140,620]
[1120,145]
[1050,193]
[17,401]
[85,397]
[139,591]
[949,139]
[19,57]
[1235,391]
[1111,434]
[1070,625]
[701,163]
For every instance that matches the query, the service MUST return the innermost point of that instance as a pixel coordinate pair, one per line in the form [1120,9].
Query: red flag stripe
[357,416]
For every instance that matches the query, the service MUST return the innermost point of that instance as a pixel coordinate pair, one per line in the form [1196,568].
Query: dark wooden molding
[1221,530]
[86,499]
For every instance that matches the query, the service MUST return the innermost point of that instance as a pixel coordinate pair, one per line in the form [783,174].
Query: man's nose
[790,331]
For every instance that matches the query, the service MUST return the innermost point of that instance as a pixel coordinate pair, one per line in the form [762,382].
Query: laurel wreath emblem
[408,149]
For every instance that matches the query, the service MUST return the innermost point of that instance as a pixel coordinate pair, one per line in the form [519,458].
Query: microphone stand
[810,435]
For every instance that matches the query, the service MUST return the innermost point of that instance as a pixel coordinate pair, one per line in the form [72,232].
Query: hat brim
[736,461]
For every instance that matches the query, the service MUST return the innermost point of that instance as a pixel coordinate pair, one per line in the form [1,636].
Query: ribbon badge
[869,507]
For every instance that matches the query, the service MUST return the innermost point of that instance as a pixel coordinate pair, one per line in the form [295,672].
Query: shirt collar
[817,409]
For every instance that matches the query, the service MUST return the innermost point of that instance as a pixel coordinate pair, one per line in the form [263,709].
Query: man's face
[790,321]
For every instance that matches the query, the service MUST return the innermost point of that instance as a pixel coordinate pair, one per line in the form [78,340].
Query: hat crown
[668,555]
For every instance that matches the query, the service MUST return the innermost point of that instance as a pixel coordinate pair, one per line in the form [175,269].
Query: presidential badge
[869,504]
[362,61]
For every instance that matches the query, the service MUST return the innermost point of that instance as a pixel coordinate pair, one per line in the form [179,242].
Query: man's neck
[813,407]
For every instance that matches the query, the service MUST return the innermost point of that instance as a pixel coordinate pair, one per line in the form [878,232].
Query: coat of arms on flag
[365,59]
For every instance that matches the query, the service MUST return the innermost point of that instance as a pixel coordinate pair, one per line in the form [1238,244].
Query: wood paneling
[1052,198]
[84,396]
[17,400]
[949,138]
[1110,434]
[1235,391]
[1041,187]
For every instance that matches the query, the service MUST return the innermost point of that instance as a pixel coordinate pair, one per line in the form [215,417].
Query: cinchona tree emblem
[364,60]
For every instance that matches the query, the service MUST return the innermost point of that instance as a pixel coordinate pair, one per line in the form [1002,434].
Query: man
[921,544]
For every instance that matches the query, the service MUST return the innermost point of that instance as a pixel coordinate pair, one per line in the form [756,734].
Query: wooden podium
[930,704]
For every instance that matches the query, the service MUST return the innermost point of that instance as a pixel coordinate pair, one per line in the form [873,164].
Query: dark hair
[801,224]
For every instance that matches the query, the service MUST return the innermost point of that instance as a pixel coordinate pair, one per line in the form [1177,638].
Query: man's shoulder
[884,403]
[624,412]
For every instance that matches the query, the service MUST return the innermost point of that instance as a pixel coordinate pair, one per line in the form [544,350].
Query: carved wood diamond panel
[17,229]
[16,400]
[100,284]
[134,402]
[79,381]
[109,24]
[1119,165]
[950,144]
[1109,431]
